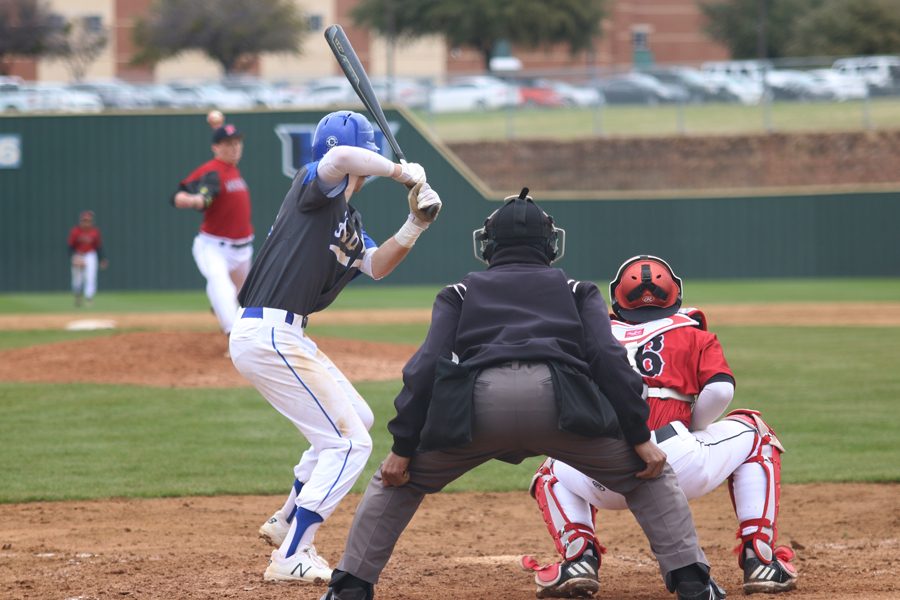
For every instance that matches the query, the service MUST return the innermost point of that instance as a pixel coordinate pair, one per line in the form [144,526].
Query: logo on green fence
[296,145]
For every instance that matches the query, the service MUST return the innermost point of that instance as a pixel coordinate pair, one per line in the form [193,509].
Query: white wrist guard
[407,235]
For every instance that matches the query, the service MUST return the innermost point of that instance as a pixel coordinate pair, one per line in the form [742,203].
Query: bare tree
[26,28]
[79,44]
[231,32]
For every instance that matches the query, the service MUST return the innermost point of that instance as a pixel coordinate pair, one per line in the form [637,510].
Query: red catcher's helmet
[645,289]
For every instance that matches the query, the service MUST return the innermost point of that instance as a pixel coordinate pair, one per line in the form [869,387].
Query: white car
[478,92]
[843,86]
[403,90]
[574,95]
[55,97]
[747,90]
[327,91]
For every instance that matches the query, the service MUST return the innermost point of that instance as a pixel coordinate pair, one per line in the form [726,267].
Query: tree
[736,23]
[481,24]
[231,32]
[79,44]
[26,27]
[849,27]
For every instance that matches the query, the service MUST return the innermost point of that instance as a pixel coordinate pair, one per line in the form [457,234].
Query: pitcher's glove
[424,203]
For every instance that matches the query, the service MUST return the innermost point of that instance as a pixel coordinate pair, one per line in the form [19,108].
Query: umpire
[519,361]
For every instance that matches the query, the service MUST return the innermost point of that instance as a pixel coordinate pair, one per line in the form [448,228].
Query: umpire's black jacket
[520,309]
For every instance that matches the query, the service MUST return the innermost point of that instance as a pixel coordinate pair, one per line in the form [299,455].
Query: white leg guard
[569,518]
[755,489]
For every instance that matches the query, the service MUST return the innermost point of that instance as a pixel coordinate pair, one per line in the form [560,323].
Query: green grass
[697,292]
[21,339]
[830,392]
[665,120]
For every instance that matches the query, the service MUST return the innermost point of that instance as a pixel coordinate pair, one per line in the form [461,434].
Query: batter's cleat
[577,578]
[777,576]
[695,590]
[306,566]
[274,530]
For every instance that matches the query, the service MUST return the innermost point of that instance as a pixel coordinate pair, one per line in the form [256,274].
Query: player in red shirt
[85,255]
[223,249]
[689,386]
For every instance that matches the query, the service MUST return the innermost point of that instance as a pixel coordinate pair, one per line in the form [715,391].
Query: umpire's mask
[519,222]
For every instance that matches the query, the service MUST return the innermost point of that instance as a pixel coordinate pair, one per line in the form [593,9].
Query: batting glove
[411,173]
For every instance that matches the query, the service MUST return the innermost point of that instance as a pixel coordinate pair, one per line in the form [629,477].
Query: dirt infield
[459,546]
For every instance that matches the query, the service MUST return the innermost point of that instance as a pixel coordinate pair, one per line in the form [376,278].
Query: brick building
[635,31]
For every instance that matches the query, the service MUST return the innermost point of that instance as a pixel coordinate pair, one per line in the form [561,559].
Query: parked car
[697,87]
[638,88]
[477,92]
[536,92]
[747,91]
[843,86]
[261,92]
[212,95]
[13,96]
[882,73]
[402,90]
[327,91]
[114,93]
[791,84]
[56,97]
[575,95]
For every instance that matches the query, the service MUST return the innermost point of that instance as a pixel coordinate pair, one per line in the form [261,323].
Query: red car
[539,95]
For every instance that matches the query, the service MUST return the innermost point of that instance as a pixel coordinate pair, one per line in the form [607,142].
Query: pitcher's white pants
[84,278]
[225,269]
[702,460]
[301,383]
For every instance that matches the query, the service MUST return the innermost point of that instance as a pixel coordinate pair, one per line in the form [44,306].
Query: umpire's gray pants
[515,417]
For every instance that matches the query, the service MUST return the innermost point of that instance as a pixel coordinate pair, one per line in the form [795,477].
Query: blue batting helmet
[342,128]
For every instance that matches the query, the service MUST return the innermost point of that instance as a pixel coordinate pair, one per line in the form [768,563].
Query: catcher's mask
[645,288]
[519,222]
[342,128]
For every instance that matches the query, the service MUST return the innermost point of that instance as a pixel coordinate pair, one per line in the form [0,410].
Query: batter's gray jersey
[313,250]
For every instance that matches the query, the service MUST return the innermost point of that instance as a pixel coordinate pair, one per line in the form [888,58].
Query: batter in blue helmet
[316,246]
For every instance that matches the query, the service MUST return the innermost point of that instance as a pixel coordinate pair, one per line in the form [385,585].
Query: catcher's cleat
[779,575]
[274,530]
[306,566]
[695,590]
[577,578]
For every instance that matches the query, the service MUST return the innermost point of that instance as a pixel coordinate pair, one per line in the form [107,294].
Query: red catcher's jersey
[84,240]
[229,214]
[681,358]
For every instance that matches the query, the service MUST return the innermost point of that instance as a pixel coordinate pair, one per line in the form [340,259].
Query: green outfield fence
[125,167]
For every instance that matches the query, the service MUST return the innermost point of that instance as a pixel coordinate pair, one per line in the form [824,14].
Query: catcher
[690,385]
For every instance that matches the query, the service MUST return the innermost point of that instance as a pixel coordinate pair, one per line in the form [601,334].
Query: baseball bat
[359,80]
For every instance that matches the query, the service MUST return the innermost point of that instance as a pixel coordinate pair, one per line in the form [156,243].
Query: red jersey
[228,215]
[673,353]
[83,240]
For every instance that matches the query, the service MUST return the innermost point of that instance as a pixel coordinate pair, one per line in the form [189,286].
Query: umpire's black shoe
[344,586]
[779,575]
[695,590]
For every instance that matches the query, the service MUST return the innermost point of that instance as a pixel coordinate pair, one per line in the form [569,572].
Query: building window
[93,23]
[640,39]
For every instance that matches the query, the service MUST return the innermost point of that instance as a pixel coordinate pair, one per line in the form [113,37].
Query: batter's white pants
[225,269]
[702,460]
[301,383]
[84,279]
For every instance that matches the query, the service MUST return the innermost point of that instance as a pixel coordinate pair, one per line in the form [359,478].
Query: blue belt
[665,432]
[256,312]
